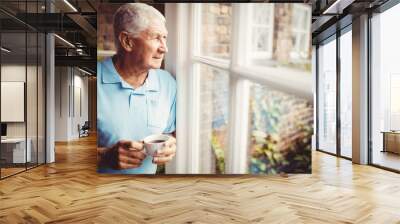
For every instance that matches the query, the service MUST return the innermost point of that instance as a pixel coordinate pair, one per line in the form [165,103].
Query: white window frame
[298,32]
[250,11]
[180,61]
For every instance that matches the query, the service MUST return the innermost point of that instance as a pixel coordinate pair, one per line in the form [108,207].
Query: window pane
[32,97]
[259,14]
[394,99]
[262,26]
[301,38]
[327,97]
[261,40]
[214,103]
[385,88]
[41,98]
[280,132]
[280,35]
[215,31]
[395,102]
[346,94]
[13,87]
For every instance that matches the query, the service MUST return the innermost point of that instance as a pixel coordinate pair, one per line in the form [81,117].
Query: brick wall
[105,31]
[215,23]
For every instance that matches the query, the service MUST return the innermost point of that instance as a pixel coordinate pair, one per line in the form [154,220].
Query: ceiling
[76,22]
[330,15]
[73,20]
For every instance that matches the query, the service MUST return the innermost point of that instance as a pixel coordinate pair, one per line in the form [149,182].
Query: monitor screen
[3,129]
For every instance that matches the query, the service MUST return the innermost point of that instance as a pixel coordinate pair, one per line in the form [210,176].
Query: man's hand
[167,153]
[123,155]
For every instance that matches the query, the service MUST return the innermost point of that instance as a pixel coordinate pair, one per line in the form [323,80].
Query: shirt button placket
[131,100]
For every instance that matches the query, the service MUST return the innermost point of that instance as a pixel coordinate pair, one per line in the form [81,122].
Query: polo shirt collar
[152,82]
[111,76]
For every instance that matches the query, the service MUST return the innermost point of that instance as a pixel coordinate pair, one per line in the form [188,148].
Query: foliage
[219,154]
[160,169]
[267,158]
[271,151]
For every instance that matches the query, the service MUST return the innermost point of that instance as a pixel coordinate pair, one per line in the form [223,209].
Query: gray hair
[134,18]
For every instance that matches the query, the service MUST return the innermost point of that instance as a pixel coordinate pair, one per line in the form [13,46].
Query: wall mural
[138,105]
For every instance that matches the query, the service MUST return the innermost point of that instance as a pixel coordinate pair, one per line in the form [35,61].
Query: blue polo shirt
[132,114]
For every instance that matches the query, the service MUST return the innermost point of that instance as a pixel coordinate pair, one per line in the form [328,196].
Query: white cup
[153,143]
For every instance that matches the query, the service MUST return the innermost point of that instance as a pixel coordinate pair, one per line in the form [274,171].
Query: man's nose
[163,48]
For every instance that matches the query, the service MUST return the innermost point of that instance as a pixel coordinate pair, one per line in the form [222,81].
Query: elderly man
[135,98]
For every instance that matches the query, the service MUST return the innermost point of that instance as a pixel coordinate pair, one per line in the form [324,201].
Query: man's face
[151,46]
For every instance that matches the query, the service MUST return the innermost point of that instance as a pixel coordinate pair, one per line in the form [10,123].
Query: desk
[391,141]
[13,150]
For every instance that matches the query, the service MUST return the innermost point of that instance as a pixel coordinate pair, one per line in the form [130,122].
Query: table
[391,141]
[13,150]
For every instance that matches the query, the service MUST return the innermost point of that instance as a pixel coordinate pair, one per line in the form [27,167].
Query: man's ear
[126,42]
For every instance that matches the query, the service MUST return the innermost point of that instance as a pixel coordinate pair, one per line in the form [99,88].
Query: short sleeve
[172,118]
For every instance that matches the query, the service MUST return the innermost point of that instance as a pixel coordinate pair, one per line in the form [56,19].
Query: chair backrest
[86,125]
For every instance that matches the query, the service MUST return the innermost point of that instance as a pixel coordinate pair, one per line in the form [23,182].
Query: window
[280,35]
[334,108]
[395,102]
[215,29]
[300,32]
[22,65]
[262,30]
[236,77]
[346,94]
[327,96]
[214,103]
[212,54]
[385,88]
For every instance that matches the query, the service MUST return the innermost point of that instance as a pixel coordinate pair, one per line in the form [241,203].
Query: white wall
[61,103]
[70,83]
[79,117]
[34,124]
[10,73]
[15,72]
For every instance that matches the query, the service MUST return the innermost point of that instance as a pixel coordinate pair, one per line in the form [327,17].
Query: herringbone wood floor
[70,191]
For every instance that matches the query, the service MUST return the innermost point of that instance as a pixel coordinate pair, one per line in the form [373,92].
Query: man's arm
[123,155]
[104,157]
